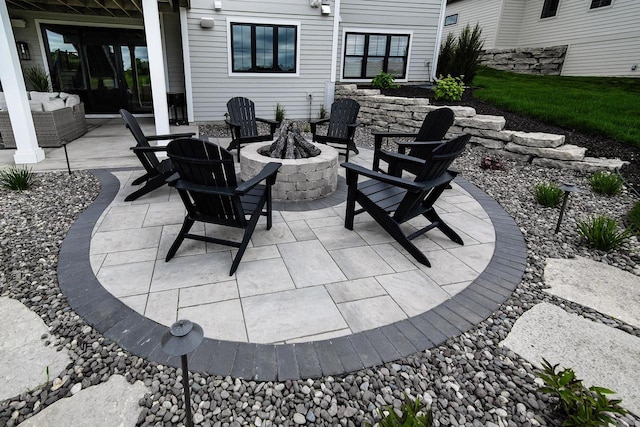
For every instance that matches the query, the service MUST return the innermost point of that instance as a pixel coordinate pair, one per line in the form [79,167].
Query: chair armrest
[314,123]
[402,146]
[389,179]
[204,189]
[170,136]
[268,121]
[377,137]
[173,179]
[149,149]
[269,170]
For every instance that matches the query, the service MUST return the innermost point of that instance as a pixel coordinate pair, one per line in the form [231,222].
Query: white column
[15,93]
[436,48]
[156,65]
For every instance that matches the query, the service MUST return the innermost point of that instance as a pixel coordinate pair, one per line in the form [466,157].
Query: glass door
[137,77]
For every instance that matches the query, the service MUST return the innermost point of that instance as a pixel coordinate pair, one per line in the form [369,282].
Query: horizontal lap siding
[212,85]
[486,13]
[421,17]
[508,31]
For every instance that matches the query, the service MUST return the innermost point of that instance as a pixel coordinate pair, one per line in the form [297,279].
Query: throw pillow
[35,105]
[72,100]
[42,96]
[52,105]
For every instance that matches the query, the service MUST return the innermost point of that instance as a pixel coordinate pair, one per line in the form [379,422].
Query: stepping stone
[25,359]
[114,403]
[537,139]
[599,354]
[608,289]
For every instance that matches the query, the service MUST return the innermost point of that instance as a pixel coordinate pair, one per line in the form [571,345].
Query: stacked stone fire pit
[309,171]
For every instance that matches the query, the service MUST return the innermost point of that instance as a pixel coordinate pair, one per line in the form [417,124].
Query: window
[263,48]
[451,19]
[549,8]
[600,3]
[367,54]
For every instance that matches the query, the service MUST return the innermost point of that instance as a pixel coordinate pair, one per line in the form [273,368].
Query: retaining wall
[543,60]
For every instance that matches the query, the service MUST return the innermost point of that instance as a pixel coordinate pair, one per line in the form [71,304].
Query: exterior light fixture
[23,50]
[325,9]
[182,338]
[568,188]
[217,5]
[207,22]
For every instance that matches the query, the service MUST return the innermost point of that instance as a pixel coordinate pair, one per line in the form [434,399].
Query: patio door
[107,67]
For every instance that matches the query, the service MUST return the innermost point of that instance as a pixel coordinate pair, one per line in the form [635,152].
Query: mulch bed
[597,146]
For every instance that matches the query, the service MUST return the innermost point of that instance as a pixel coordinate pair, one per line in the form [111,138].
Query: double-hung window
[599,3]
[365,55]
[549,8]
[263,48]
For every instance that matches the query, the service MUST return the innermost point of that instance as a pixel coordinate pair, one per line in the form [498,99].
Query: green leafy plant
[602,232]
[412,415]
[461,56]
[548,195]
[281,112]
[17,178]
[606,183]
[447,51]
[579,405]
[449,88]
[384,81]
[634,218]
[323,113]
[37,78]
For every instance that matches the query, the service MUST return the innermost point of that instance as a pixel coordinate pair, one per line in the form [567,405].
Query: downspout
[331,86]
[436,53]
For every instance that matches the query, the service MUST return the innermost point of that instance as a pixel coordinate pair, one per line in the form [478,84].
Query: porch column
[15,92]
[156,66]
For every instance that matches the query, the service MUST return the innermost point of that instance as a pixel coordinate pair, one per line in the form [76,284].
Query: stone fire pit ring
[298,179]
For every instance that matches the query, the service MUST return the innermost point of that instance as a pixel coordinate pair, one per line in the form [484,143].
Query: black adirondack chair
[207,185]
[156,171]
[342,126]
[243,123]
[434,128]
[392,201]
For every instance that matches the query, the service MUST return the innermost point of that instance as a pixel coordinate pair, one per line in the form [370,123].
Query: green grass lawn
[607,106]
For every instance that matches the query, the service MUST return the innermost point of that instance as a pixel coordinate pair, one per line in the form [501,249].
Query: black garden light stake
[568,188]
[182,338]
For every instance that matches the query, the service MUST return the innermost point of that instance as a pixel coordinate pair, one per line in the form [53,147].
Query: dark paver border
[141,336]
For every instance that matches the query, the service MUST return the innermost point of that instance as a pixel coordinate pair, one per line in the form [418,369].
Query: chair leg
[186,226]
[153,183]
[394,231]
[435,219]
[248,232]
[140,179]
[352,189]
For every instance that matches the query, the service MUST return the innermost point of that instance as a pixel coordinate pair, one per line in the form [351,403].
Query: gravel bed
[469,380]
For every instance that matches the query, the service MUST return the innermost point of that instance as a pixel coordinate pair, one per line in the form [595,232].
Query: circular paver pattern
[141,336]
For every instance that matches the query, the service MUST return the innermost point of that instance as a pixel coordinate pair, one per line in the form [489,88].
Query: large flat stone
[25,359]
[537,139]
[608,289]
[563,152]
[482,121]
[114,403]
[588,164]
[600,355]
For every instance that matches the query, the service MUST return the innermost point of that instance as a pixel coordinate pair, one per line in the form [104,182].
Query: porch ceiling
[113,8]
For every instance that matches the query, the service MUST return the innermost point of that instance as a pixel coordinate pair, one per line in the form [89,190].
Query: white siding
[421,18]
[486,13]
[212,84]
[508,30]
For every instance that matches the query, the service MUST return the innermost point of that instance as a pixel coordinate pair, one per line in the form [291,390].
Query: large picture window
[367,54]
[263,48]
[549,8]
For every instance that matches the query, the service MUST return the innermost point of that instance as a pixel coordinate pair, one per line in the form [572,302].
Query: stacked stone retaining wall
[380,113]
[542,60]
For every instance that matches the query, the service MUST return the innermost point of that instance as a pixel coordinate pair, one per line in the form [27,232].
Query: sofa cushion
[63,95]
[35,105]
[72,100]
[52,105]
[42,96]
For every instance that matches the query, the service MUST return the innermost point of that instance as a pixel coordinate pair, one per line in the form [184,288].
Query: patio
[356,301]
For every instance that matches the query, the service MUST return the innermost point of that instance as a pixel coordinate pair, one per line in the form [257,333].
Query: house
[601,36]
[132,53]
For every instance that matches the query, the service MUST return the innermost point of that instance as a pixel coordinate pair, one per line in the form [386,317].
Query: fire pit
[309,171]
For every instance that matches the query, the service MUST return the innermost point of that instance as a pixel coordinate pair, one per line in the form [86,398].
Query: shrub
[384,81]
[281,112]
[37,78]
[323,113]
[461,56]
[548,195]
[17,179]
[634,218]
[449,88]
[580,406]
[602,233]
[606,183]
[412,415]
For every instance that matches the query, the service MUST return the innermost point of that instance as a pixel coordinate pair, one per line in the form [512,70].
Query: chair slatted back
[205,164]
[434,128]
[149,160]
[243,112]
[435,165]
[343,113]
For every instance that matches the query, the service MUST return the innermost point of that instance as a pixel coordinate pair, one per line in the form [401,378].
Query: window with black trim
[366,55]
[600,3]
[263,48]
[549,8]
[451,19]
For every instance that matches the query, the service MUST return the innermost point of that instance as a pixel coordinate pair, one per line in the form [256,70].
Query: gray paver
[310,264]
